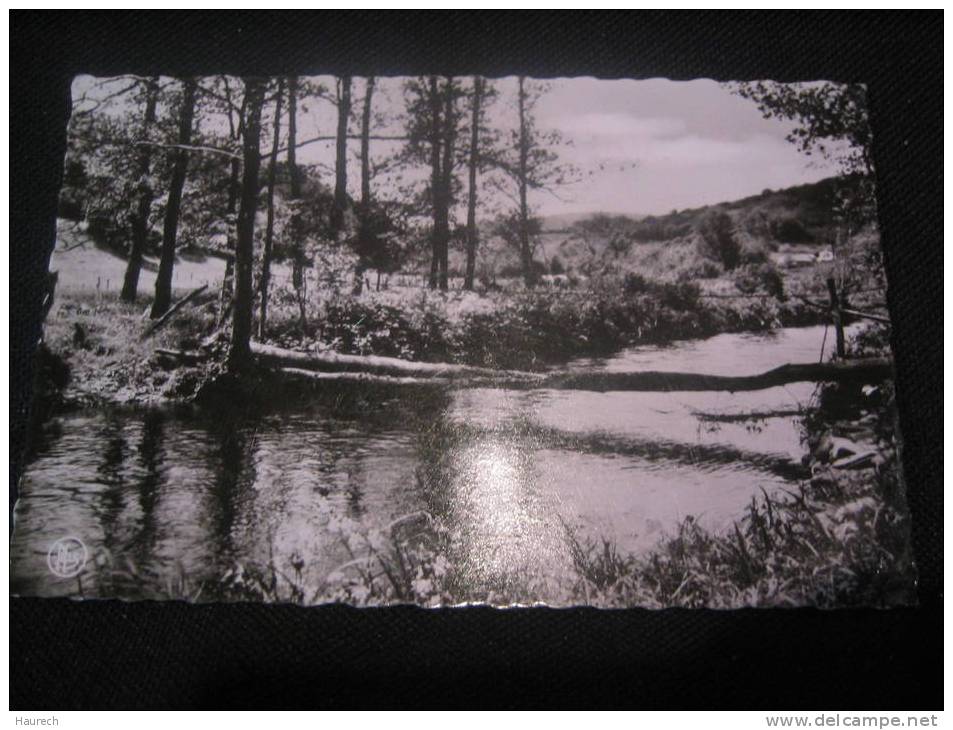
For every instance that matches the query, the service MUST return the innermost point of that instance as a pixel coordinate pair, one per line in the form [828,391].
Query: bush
[752,278]
[635,284]
[791,230]
[682,296]
[754,253]
[707,270]
[717,240]
[364,328]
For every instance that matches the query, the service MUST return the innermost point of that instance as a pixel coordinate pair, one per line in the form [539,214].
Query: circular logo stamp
[67,557]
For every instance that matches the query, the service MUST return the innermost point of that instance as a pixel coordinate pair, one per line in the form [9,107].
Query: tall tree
[270,222]
[140,221]
[532,163]
[240,350]
[443,128]
[235,127]
[830,118]
[340,164]
[526,254]
[473,164]
[297,242]
[293,171]
[170,223]
[366,143]
[446,176]
[432,126]
[436,178]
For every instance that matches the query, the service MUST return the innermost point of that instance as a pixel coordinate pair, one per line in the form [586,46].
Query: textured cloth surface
[109,654]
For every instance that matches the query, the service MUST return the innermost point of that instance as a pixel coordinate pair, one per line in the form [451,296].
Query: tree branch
[188,147]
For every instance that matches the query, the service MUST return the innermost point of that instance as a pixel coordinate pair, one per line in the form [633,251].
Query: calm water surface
[163,490]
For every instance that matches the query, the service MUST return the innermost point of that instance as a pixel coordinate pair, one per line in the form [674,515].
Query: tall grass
[804,548]
[99,339]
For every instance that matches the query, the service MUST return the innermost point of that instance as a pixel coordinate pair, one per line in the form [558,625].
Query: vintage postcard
[453,340]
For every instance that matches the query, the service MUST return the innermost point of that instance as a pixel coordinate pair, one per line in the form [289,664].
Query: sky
[642,146]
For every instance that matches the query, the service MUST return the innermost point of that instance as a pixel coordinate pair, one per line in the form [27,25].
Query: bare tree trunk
[364,210]
[270,224]
[240,350]
[436,178]
[446,189]
[366,144]
[297,255]
[140,223]
[170,225]
[228,280]
[293,172]
[526,255]
[340,166]
[234,190]
[474,163]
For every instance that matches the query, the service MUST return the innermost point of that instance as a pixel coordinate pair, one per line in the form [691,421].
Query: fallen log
[335,367]
[867,370]
[380,365]
[187,357]
[354,377]
[172,310]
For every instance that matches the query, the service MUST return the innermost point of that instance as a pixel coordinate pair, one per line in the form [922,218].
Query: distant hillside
[800,214]
[800,217]
[565,221]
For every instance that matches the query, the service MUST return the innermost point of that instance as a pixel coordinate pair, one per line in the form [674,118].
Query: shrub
[707,270]
[757,224]
[717,240]
[754,253]
[764,277]
[363,328]
[681,296]
[791,230]
[635,284]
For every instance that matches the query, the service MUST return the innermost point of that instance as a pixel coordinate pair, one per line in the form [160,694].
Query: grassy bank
[529,329]
[99,338]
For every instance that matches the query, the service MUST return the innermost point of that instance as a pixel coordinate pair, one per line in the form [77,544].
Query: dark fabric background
[110,654]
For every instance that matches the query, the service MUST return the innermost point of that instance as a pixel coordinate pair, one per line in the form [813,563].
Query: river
[183,490]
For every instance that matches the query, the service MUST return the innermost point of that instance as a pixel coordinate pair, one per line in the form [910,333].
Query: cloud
[614,125]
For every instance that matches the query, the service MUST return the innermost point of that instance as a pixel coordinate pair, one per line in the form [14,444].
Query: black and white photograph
[456,340]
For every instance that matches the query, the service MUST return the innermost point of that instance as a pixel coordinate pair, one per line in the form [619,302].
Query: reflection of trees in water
[112,500]
[151,458]
[232,484]
[372,412]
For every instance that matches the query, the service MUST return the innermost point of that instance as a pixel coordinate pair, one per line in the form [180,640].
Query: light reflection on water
[161,490]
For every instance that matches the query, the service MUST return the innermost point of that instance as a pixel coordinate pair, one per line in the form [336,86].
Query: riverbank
[99,339]
[97,343]
[839,538]
[829,532]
